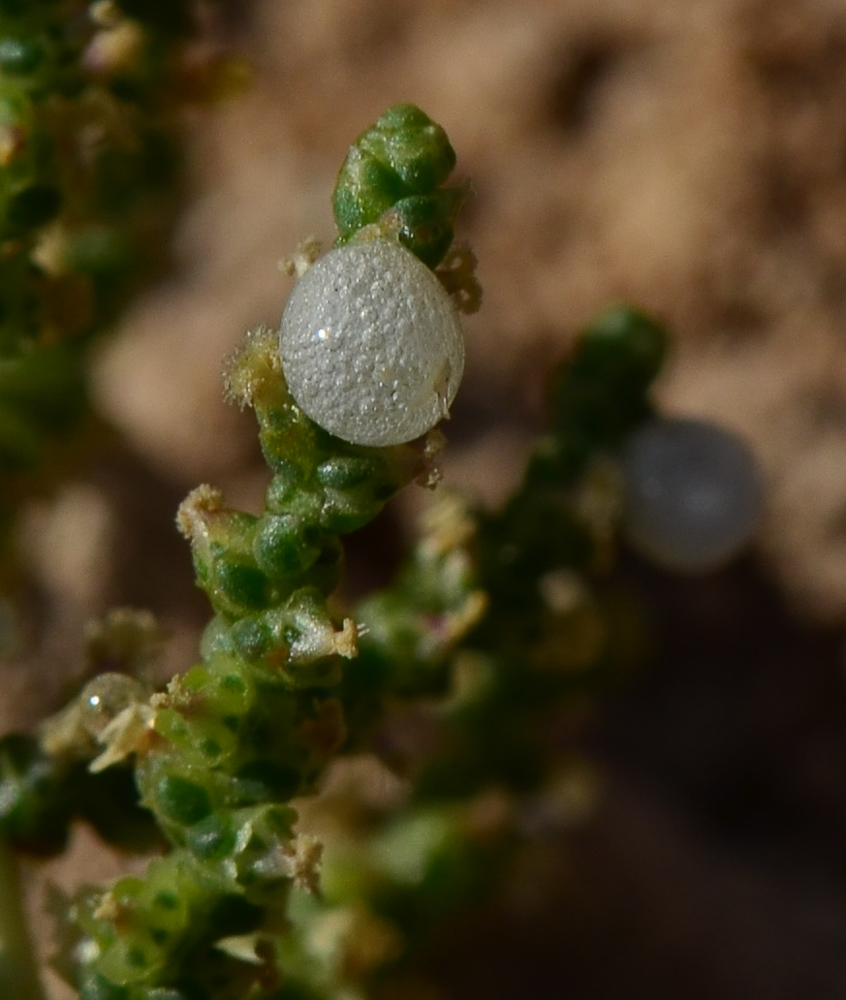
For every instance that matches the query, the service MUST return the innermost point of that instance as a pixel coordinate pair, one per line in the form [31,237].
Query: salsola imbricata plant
[458,677]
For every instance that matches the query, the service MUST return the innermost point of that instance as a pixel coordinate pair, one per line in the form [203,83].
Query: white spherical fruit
[105,697]
[692,494]
[371,344]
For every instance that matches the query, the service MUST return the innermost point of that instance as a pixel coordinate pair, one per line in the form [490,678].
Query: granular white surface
[372,346]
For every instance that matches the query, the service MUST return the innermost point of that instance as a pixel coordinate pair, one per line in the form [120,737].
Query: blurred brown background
[688,157]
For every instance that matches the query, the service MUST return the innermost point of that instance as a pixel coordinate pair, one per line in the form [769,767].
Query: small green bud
[343,472]
[283,487]
[130,960]
[168,909]
[216,640]
[181,800]
[426,223]
[601,394]
[416,149]
[281,546]
[203,737]
[250,637]
[346,512]
[212,838]
[393,175]
[230,693]
[240,584]
[621,346]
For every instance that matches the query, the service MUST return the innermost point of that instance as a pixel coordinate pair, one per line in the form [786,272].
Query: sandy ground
[690,158]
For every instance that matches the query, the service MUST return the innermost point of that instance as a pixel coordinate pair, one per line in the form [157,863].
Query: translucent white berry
[371,344]
[105,697]
[692,494]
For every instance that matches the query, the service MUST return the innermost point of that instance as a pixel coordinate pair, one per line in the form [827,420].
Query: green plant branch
[494,628]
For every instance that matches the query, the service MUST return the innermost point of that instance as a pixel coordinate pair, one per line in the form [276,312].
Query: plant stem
[18,969]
